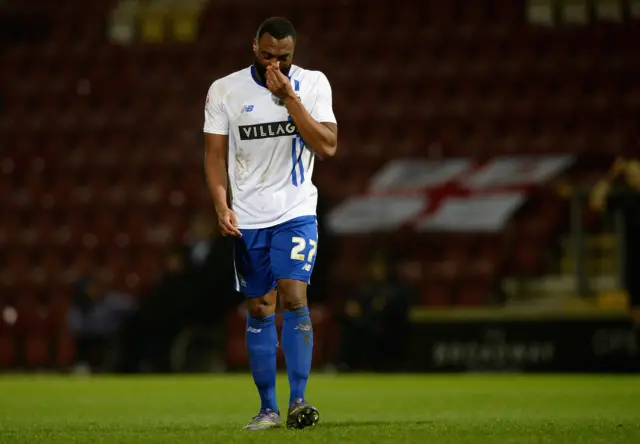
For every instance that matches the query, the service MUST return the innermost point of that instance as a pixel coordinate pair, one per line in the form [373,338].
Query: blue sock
[297,345]
[262,343]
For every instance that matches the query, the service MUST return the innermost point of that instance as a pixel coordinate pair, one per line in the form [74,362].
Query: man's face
[271,52]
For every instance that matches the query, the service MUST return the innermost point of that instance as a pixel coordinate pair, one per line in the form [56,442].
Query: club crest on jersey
[267,130]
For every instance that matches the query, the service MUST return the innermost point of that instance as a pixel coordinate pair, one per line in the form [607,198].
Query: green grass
[354,409]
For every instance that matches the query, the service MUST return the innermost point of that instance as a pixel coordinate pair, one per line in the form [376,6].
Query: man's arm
[321,137]
[318,128]
[215,167]
[216,132]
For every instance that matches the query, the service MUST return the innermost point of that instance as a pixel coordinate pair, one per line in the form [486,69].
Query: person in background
[146,336]
[195,290]
[208,268]
[94,318]
[375,320]
[619,191]
[200,240]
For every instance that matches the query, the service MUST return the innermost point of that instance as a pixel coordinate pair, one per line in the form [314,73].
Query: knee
[293,294]
[293,300]
[260,308]
[293,304]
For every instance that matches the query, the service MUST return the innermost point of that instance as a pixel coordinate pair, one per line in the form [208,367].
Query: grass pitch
[354,409]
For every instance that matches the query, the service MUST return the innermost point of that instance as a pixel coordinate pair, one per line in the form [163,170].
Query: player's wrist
[220,207]
[289,99]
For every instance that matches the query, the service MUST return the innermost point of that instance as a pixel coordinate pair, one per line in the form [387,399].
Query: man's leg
[293,250]
[262,344]
[297,335]
[255,280]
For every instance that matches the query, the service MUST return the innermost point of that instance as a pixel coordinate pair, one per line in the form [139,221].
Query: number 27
[300,245]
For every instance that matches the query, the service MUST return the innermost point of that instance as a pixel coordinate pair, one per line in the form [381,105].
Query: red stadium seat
[7,352]
[438,283]
[36,351]
[475,283]
[528,258]
[236,355]
[33,315]
[105,167]
[64,351]
[437,294]
[58,306]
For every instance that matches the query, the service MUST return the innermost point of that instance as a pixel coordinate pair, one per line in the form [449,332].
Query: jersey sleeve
[322,110]
[216,120]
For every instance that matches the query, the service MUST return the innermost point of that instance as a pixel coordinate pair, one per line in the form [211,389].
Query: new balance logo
[247,109]
[267,130]
[306,267]
[254,330]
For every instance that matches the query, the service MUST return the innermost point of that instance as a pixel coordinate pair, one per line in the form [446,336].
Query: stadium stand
[102,114]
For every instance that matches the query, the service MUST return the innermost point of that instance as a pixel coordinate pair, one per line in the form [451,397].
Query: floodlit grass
[354,409]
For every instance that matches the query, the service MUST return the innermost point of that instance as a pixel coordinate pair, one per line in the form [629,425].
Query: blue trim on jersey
[255,77]
[294,160]
[300,160]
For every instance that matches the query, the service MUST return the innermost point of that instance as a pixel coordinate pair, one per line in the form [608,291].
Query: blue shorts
[285,251]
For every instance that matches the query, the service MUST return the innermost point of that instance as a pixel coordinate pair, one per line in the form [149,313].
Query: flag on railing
[445,195]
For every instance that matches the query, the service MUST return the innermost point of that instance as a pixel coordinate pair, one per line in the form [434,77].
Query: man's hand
[228,223]
[278,83]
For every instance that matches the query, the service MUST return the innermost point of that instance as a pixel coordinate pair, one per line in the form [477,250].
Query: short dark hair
[277,27]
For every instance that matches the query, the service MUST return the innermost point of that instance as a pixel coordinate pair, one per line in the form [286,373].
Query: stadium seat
[33,314]
[236,356]
[459,250]
[476,280]
[528,258]
[36,351]
[125,117]
[7,352]
[64,350]
[437,294]
[438,283]
[58,300]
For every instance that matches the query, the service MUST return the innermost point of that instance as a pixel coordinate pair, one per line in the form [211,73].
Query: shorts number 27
[299,245]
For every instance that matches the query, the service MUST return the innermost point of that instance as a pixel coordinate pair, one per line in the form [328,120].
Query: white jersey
[269,167]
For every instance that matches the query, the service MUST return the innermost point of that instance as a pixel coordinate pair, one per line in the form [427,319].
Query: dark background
[105,210]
